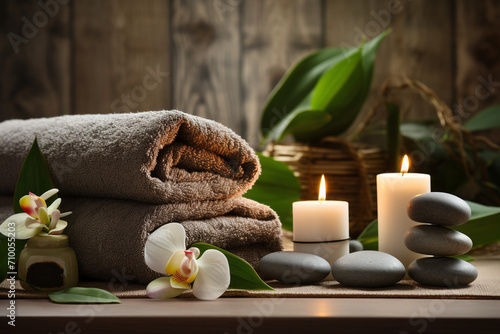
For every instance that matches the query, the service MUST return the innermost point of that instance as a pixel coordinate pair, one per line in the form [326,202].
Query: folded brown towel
[109,235]
[155,157]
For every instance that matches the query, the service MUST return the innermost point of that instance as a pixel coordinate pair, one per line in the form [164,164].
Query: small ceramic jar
[48,263]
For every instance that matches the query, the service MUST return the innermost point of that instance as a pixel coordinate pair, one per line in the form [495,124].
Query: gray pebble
[439,208]
[294,267]
[442,271]
[437,240]
[355,246]
[368,269]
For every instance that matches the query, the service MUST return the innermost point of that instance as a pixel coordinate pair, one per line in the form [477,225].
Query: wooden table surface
[258,315]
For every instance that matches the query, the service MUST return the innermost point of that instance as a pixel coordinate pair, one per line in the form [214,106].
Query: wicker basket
[350,170]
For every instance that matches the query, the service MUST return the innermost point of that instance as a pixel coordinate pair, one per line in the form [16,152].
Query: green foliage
[486,119]
[243,276]
[84,296]
[321,95]
[276,187]
[483,227]
[369,236]
[35,177]
[439,154]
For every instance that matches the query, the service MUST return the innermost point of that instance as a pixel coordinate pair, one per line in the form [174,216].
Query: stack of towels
[124,175]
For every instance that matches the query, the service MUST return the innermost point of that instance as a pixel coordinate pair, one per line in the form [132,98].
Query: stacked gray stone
[438,210]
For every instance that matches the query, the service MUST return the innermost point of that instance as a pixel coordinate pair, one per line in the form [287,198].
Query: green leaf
[296,86]
[35,177]
[393,135]
[486,119]
[243,276]
[5,261]
[300,121]
[465,257]
[343,117]
[483,227]
[277,187]
[339,85]
[369,236]
[84,295]
[417,130]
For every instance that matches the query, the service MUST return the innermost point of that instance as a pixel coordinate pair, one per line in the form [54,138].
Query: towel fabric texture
[124,175]
[153,157]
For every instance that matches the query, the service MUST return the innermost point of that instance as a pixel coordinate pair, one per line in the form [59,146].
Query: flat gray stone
[442,271]
[368,269]
[437,240]
[294,267]
[439,208]
[355,246]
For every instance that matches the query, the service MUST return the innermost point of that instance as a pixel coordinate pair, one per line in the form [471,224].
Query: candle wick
[402,173]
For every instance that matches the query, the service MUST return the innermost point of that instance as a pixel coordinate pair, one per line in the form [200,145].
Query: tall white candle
[394,191]
[321,227]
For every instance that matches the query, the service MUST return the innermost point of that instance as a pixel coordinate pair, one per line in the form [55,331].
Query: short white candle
[321,227]
[394,191]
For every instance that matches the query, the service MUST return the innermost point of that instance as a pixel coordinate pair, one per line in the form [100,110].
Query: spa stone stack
[439,210]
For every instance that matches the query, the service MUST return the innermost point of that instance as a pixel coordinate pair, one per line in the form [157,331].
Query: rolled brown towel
[154,157]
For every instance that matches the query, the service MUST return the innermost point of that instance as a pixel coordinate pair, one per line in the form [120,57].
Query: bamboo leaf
[243,276]
[277,187]
[84,296]
[486,119]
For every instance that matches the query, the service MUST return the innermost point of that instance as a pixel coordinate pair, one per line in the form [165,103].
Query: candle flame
[405,166]
[322,189]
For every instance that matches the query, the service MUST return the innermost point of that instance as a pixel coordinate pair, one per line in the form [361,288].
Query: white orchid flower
[165,252]
[37,218]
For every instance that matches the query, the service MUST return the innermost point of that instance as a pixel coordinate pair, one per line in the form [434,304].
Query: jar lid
[48,241]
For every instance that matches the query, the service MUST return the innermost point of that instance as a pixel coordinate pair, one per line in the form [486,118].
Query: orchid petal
[64,214]
[28,205]
[56,214]
[195,251]
[174,263]
[213,277]
[44,215]
[40,202]
[188,265]
[162,244]
[49,193]
[60,226]
[161,288]
[54,205]
[18,218]
[177,277]
[25,227]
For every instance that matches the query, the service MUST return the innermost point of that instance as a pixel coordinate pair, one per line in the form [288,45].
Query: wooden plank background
[219,59]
